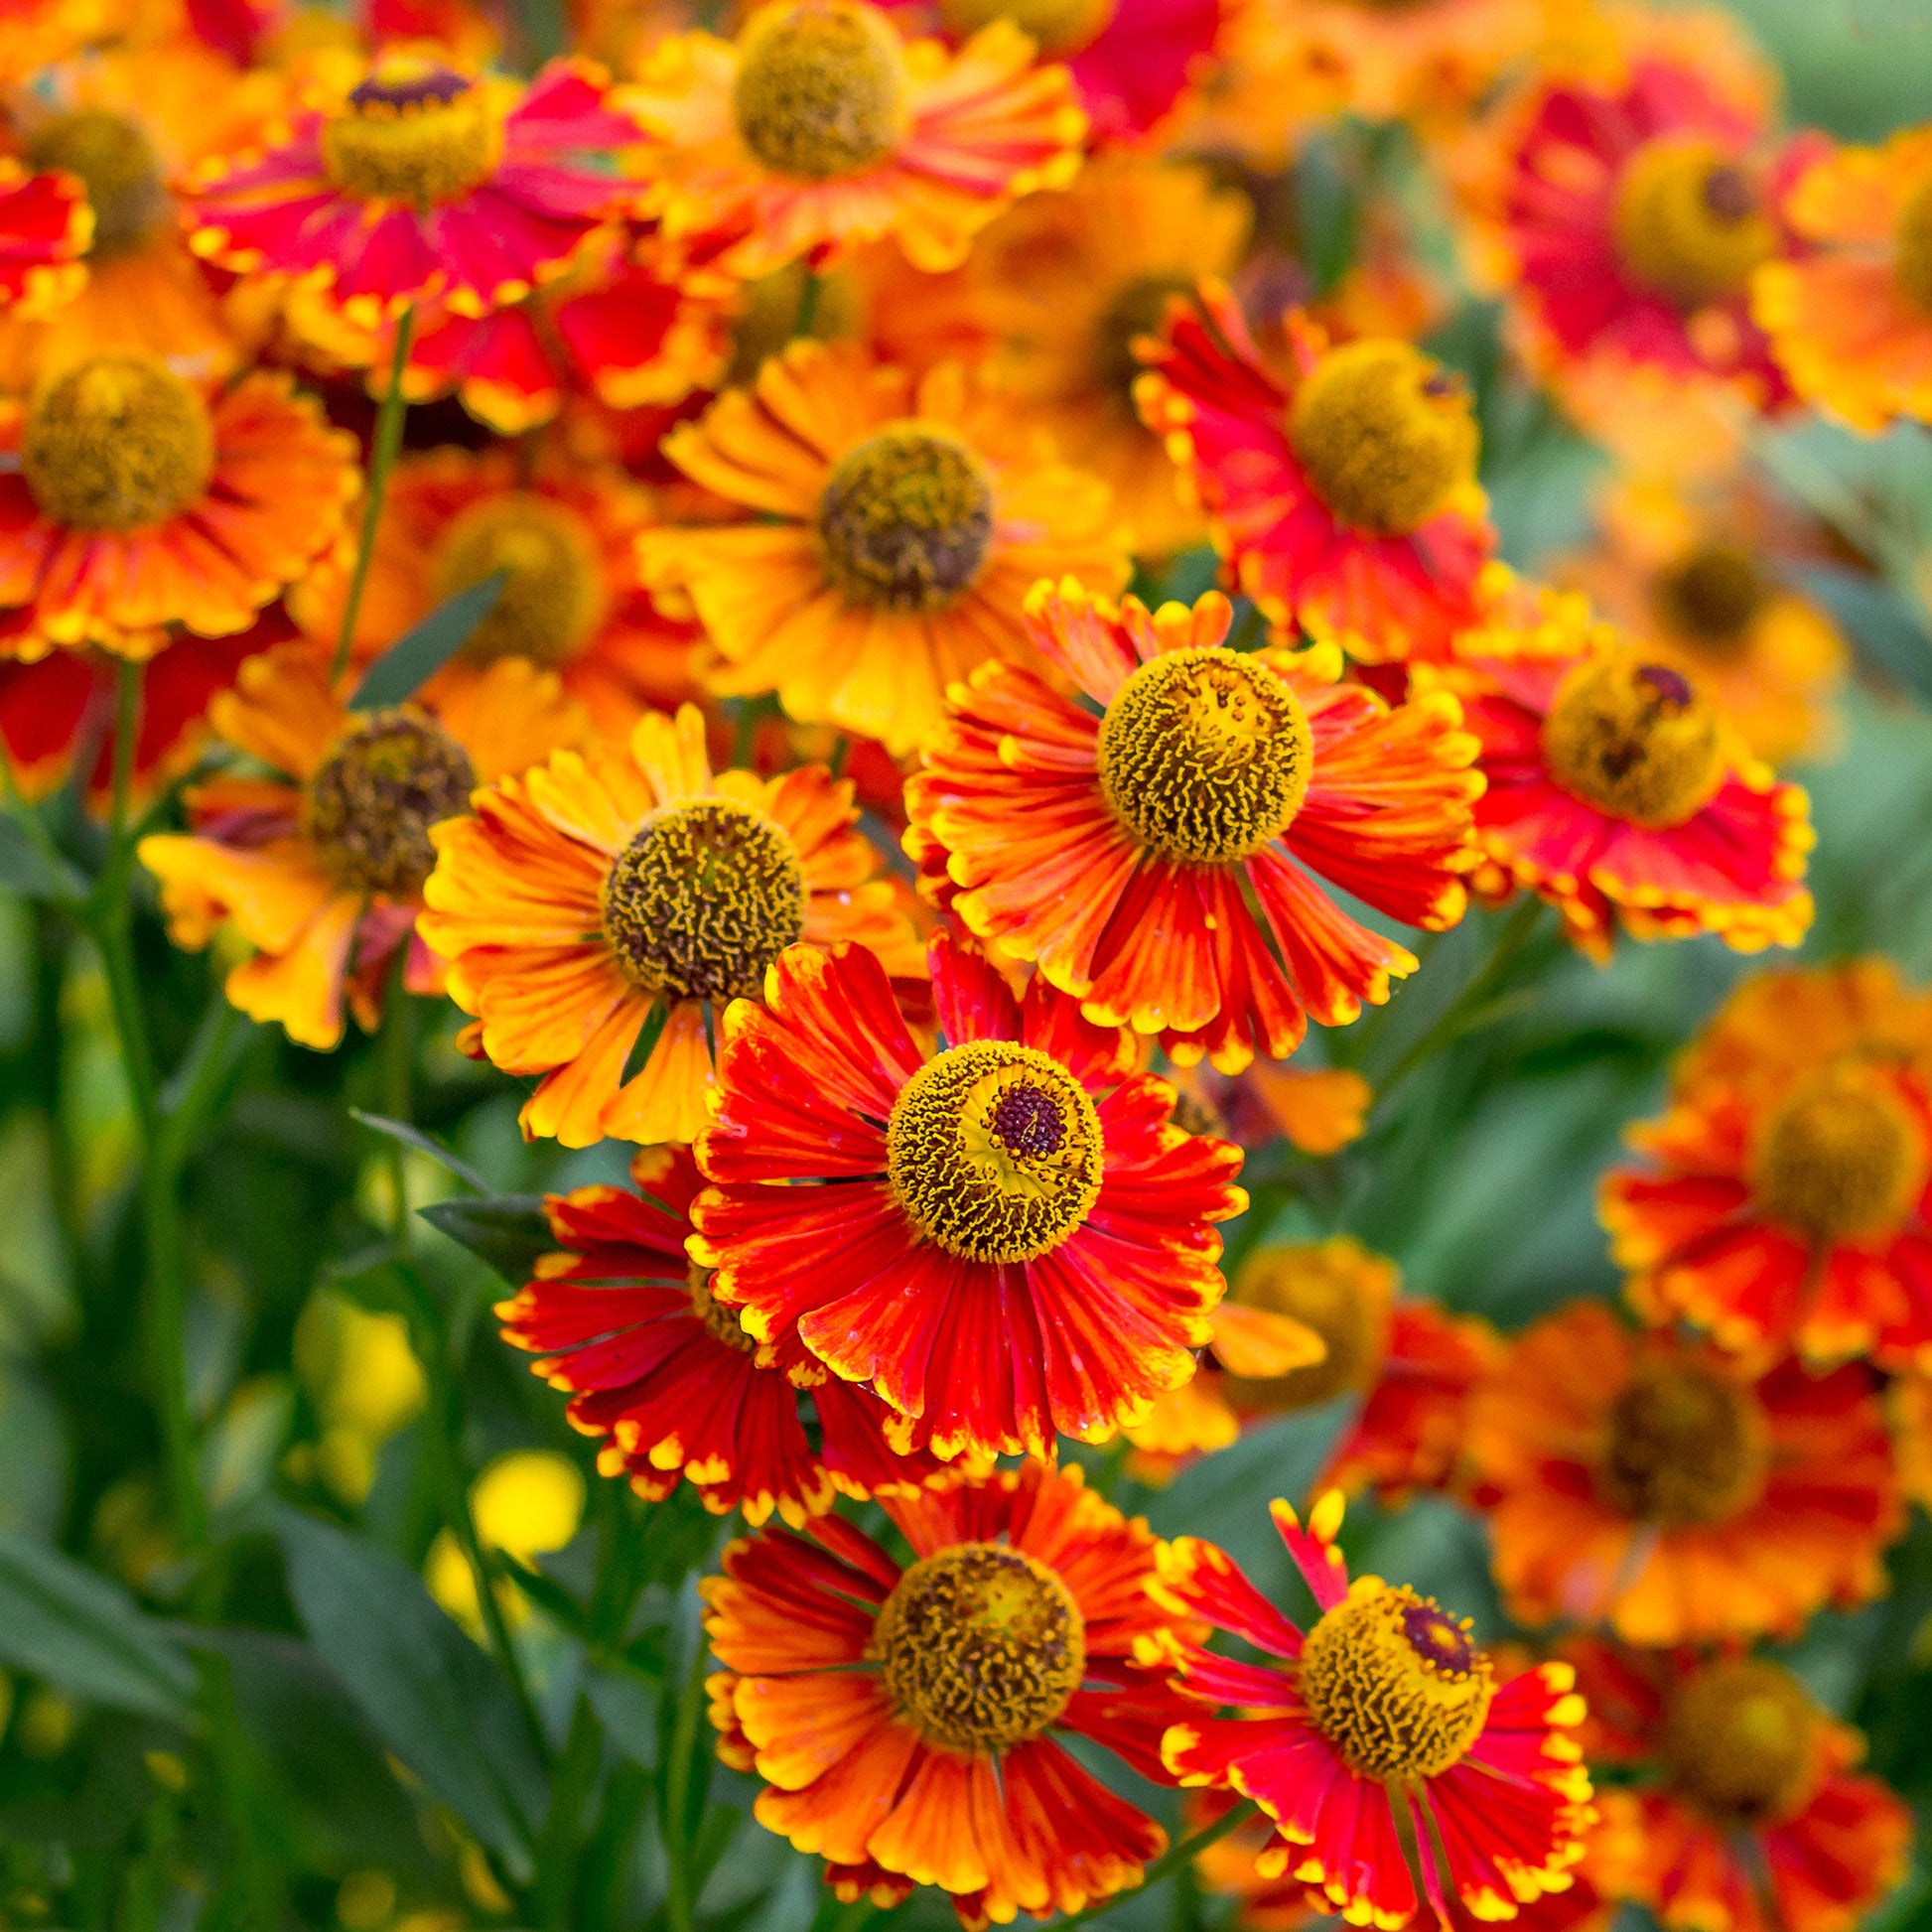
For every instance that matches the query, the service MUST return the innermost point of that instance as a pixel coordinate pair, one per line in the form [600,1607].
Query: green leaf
[35,870]
[400,1130]
[420,653]
[65,1623]
[549,1595]
[508,1231]
[631,1708]
[437,1701]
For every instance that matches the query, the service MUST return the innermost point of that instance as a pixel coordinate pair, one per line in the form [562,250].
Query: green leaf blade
[421,652]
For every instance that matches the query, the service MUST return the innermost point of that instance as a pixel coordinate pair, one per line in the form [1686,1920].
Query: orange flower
[319,867]
[820,126]
[1346,503]
[44,227]
[1747,1816]
[1851,319]
[906,1715]
[903,525]
[1663,1489]
[133,501]
[1788,1197]
[1124,851]
[1027,1246]
[1616,790]
[670,1382]
[1067,283]
[625,889]
[566,535]
[1378,1741]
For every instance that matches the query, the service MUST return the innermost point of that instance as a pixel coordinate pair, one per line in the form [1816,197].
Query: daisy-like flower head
[320,867]
[1066,284]
[1851,319]
[1665,1489]
[1123,851]
[820,126]
[902,526]
[670,1382]
[1616,787]
[1027,1243]
[418,180]
[1746,1814]
[906,1712]
[45,228]
[1685,577]
[1786,1198]
[1347,506]
[1409,1363]
[627,886]
[1377,1736]
[566,538]
[136,500]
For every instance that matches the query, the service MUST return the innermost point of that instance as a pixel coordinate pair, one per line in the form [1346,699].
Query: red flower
[45,228]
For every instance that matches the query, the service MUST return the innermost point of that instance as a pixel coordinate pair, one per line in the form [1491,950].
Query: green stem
[1178,1859]
[570,1791]
[383,447]
[809,289]
[679,1835]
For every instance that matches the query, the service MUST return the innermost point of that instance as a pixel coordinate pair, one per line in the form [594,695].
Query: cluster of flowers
[799,405]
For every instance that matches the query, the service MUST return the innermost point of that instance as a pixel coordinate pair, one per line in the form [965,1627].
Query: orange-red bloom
[1787,1201]
[1384,1703]
[1747,1815]
[1666,1491]
[319,867]
[667,1378]
[1160,861]
[1345,501]
[905,1714]
[1617,790]
[416,180]
[627,888]
[1026,1245]
[44,228]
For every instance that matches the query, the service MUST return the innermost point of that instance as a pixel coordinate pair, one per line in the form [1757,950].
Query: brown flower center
[1739,1738]
[116,443]
[553,596]
[905,519]
[1138,308]
[981,1645]
[1684,1446]
[721,1323]
[995,1152]
[768,316]
[1637,740]
[414,131]
[1711,598]
[1688,221]
[1316,1287]
[1840,1158]
[1385,434]
[821,88]
[1395,1683]
[1058,27]
[118,167]
[1205,755]
[1914,238]
[369,806]
[703,899]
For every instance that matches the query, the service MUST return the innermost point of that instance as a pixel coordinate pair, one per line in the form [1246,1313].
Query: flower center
[1313,1288]
[1711,596]
[1385,435]
[118,165]
[768,316]
[1138,309]
[981,1645]
[1395,1683]
[1685,1445]
[1840,1158]
[721,1323]
[905,519]
[413,131]
[368,807]
[1206,755]
[820,89]
[1636,741]
[116,443]
[704,898]
[552,599]
[1688,223]
[1057,26]
[1740,1738]
[1914,238]
[995,1152]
